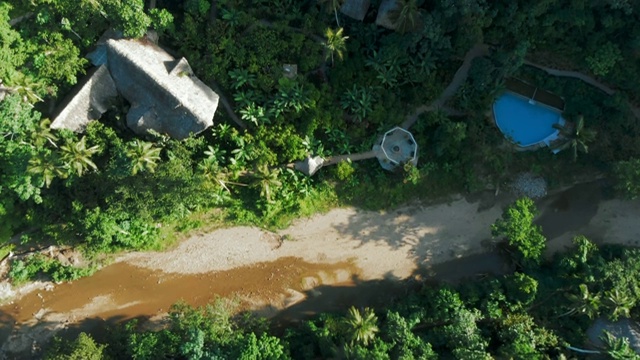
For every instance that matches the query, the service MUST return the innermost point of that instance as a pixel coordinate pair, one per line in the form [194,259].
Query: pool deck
[537,94]
[542,98]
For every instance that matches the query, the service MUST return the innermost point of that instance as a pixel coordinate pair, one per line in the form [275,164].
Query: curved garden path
[459,78]
[586,78]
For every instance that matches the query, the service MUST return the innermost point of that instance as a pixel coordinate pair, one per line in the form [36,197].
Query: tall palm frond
[336,43]
[362,327]
[77,156]
[143,155]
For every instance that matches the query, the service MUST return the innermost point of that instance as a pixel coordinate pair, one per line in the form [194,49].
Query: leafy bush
[523,236]
[627,174]
[34,265]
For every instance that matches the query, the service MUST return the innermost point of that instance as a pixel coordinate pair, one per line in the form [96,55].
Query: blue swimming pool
[525,122]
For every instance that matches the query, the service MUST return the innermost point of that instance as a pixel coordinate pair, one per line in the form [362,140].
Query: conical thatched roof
[623,328]
[384,17]
[88,102]
[355,9]
[164,94]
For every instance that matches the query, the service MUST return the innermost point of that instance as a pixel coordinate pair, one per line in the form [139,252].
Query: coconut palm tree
[618,348]
[47,166]
[406,16]
[77,156]
[361,327]
[584,303]
[336,43]
[266,180]
[43,134]
[619,303]
[143,155]
[577,137]
[332,6]
[25,86]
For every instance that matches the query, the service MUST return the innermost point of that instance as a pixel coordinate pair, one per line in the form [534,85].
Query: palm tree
[576,137]
[332,6]
[77,156]
[47,166]
[619,303]
[362,327]
[335,44]
[618,348]
[584,303]
[406,15]
[25,86]
[143,155]
[43,134]
[266,180]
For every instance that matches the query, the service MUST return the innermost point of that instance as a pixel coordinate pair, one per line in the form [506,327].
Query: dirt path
[587,79]
[459,78]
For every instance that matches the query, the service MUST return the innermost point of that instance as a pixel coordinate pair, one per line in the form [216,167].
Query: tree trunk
[17,20]
[152,4]
[213,12]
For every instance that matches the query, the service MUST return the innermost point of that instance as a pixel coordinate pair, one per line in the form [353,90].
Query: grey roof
[384,14]
[397,147]
[164,94]
[355,9]
[88,102]
[623,328]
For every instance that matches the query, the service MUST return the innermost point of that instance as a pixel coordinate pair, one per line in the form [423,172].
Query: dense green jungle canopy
[108,190]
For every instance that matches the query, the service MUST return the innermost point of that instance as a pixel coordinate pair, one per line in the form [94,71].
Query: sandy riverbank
[381,245]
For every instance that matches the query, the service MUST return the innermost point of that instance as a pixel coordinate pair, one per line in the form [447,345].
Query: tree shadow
[28,340]
[378,294]
[570,210]
[427,234]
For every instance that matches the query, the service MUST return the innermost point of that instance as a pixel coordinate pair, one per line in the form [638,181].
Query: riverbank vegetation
[540,309]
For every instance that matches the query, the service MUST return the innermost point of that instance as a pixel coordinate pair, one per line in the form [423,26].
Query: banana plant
[257,114]
[242,77]
[358,101]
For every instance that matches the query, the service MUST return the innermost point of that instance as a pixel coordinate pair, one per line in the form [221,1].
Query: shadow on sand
[379,293]
[29,340]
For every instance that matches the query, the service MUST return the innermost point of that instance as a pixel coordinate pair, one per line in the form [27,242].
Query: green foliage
[411,173]
[604,59]
[627,174]
[618,348]
[11,55]
[58,59]
[358,101]
[107,231]
[265,347]
[361,326]
[335,44]
[517,228]
[127,16]
[34,265]
[82,347]
[345,170]
[406,16]
[143,156]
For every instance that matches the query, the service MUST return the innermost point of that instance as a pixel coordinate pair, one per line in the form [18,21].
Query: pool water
[525,122]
